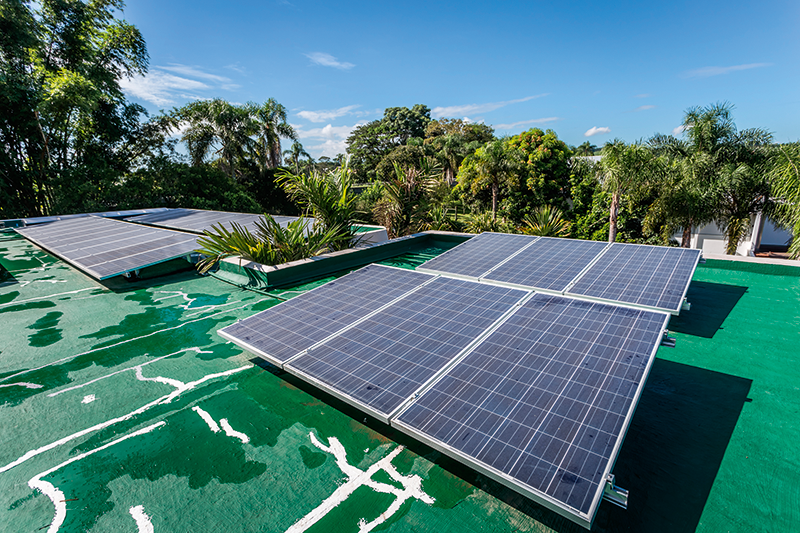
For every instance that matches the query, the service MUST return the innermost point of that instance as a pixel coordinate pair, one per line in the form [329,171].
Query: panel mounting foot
[614,494]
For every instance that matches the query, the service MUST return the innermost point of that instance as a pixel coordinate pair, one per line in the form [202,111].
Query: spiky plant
[485,221]
[546,221]
[270,244]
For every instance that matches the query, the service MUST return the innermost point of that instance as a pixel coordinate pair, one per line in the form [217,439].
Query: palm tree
[546,221]
[585,149]
[294,153]
[492,165]
[270,126]
[216,127]
[329,198]
[785,175]
[625,168]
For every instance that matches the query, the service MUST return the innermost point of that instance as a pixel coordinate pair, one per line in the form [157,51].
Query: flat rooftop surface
[121,407]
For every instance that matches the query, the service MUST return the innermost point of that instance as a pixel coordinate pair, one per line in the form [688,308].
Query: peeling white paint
[15,302]
[207,419]
[56,496]
[229,431]
[142,519]
[180,388]
[120,343]
[412,487]
[23,384]
[89,398]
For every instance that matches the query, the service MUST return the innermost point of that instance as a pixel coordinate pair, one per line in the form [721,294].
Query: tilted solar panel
[543,403]
[651,276]
[547,264]
[385,359]
[104,248]
[199,220]
[475,257]
[284,331]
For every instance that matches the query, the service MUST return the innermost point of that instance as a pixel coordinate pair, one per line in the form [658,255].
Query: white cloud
[514,125]
[165,85]
[706,72]
[644,107]
[334,139]
[161,88]
[596,131]
[327,60]
[469,109]
[680,129]
[322,116]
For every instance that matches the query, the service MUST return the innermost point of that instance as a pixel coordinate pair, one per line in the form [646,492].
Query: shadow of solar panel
[548,264]
[380,363]
[475,257]
[104,248]
[542,404]
[652,276]
[284,331]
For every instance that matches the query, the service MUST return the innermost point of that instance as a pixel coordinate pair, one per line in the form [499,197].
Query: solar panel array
[654,277]
[543,402]
[475,257]
[548,264]
[535,390]
[104,248]
[286,330]
[198,221]
[390,355]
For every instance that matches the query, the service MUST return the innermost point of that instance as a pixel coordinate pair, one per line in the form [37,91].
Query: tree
[546,221]
[216,127]
[270,125]
[785,176]
[404,206]
[545,173]
[471,131]
[625,168]
[716,174]
[63,116]
[295,153]
[585,149]
[493,165]
[367,145]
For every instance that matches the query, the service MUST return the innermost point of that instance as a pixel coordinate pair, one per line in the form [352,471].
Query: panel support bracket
[667,341]
[614,494]
[686,306]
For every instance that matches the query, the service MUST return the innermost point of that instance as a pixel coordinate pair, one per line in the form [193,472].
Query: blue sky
[588,70]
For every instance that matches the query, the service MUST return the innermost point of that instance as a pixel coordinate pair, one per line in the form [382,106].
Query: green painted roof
[120,405]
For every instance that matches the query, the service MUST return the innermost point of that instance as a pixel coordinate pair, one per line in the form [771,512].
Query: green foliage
[585,149]
[546,221]
[492,167]
[62,112]
[785,174]
[405,208]
[367,145]
[270,245]
[330,198]
[546,169]
[487,221]
[295,154]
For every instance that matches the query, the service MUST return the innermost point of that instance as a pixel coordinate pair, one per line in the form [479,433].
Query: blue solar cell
[653,276]
[548,263]
[382,361]
[103,247]
[545,399]
[478,255]
[199,220]
[283,331]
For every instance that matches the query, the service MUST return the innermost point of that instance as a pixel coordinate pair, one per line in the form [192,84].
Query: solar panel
[547,264]
[543,403]
[380,363]
[650,276]
[198,221]
[104,248]
[286,330]
[473,258]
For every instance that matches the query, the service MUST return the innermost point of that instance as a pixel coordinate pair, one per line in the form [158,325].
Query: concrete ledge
[255,275]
